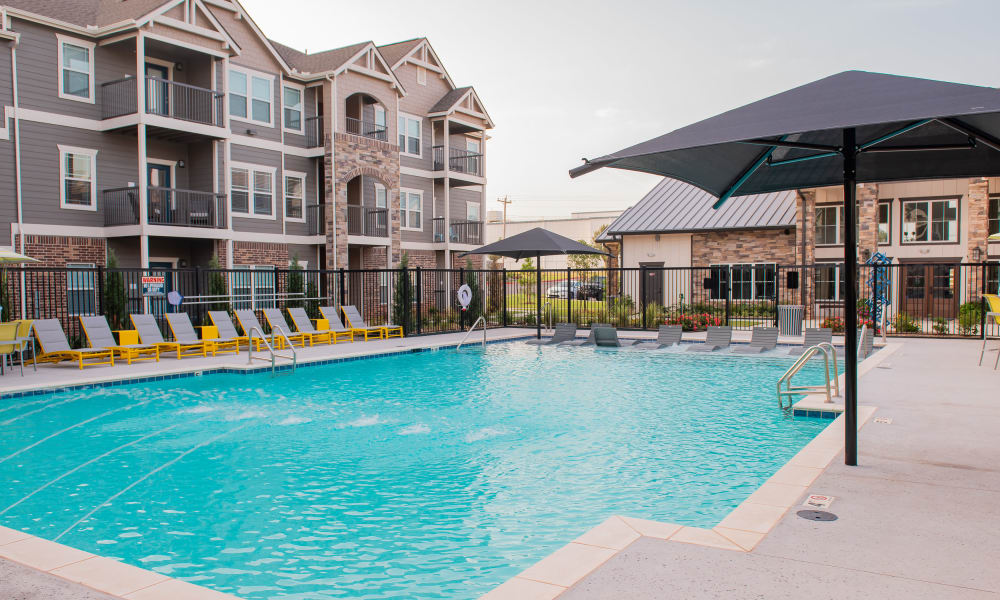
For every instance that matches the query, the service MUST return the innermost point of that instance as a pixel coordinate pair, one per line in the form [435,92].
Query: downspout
[331,199]
[17,163]
[802,256]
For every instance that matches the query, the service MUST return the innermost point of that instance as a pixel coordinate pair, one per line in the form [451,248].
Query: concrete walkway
[916,519]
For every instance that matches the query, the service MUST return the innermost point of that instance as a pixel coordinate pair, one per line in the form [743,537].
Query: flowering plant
[693,322]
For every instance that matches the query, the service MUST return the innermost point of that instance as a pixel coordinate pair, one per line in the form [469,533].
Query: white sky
[568,79]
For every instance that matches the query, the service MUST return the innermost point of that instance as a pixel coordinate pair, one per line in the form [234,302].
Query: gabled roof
[449,100]
[418,51]
[673,206]
[88,12]
[318,62]
[450,103]
[396,52]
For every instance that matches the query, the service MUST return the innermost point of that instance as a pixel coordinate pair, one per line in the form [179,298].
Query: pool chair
[55,347]
[993,301]
[149,333]
[591,339]
[248,321]
[227,331]
[355,322]
[99,335]
[333,319]
[666,336]
[716,339]
[8,346]
[302,322]
[277,322]
[814,335]
[607,337]
[183,331]
[762,340]
[563,332]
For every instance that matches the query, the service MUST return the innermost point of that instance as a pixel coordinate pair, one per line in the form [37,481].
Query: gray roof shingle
[393,52]
[449,100]
[88,12]
[676,207]
[317,62]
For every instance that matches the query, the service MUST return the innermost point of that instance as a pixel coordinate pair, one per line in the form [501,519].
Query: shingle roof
[88,12]
[674,207]
[393,52]
[317,62]
[449,100]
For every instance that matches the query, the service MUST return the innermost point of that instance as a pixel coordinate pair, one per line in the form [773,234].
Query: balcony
[165,206]
[314,132]
[460,161]
[459,232]
[316,219]
[368,129]
[164,98]
[367,221]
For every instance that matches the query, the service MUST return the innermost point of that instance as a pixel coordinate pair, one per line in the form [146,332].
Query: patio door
[157,90]
[159,179]
[929,290]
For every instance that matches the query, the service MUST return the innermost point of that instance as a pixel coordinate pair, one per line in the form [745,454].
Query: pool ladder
[482,320]
[829,352]
[274,355]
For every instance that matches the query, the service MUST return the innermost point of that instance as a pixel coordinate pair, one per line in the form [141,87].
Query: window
[81,293]
[293,108]
[409,135]
[250,96]
[381,196]
[885,223]
[295,185]
[747,281]
[242,292]
[829,283]
[411,209]
[994,215]
[472,211]
[252,191]
[422,75]
[77,174]
[76,69]
[930,221]
[828,225]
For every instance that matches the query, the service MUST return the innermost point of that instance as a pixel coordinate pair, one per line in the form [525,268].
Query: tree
[583,261]
[115,301]
[6,302]
[475,309]
[402,301]
[295,288]
[217,285]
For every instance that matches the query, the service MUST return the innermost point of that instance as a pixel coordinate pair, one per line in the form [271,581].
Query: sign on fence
[464,296]
[153,285]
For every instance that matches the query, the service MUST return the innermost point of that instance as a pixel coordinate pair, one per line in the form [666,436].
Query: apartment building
[170,131]
[927,227]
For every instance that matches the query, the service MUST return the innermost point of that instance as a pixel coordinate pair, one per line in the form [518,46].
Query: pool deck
[916,519]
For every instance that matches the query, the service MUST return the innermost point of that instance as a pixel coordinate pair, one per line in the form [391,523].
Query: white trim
[61,40]
[193,29]
[406,134]
[160,62]
[117,38]
[164,231]
[405,245]
[178,43]
[90,153]
[421,75]
[251,169]
[250,74]
[416,172]
[49,118]
[163,259]
[302,107]
[367,240]
[404,212]
[284,205]
[408,57]
[259,144]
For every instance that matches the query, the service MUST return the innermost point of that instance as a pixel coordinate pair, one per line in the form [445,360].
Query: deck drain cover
[817,515]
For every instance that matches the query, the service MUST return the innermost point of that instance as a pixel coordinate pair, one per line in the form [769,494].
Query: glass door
[159,179]
[157,90]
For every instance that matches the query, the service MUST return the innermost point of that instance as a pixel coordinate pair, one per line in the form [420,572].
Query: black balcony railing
[166,206]
[459,232]
[314,131]
[459,161]
[164,98]
[368,221]
[316,218]
[367,129]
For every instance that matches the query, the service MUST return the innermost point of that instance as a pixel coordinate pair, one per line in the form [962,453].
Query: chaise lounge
[99,335]
[813,336]
[762,340]
[149,333]
[304,325]
[357,323]
[55,347]
[718,337]
[564,332]
[591,339]
[666,336]
[183,331]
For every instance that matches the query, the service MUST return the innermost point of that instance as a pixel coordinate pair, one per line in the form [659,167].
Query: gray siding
[307,166]
[116,167]
[427,186]
[267,158]
[200,166]
[426,159]
[459,198]
[8,195]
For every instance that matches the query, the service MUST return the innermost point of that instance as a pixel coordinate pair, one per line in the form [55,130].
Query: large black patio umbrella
[847,128]
[535,243]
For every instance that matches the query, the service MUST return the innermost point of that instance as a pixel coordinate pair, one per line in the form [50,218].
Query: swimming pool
[432,475]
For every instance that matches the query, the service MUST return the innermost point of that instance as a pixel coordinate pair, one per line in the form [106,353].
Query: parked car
[577,290]
[560,290]
[590,291]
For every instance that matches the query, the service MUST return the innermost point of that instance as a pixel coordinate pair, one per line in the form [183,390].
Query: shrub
[295,286]
[969,317]
[940,326]
[402,302]
[694,322]
[903,323]
[115,301]
[5,299]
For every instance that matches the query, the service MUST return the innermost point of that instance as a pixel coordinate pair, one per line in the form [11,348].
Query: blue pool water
[432,475]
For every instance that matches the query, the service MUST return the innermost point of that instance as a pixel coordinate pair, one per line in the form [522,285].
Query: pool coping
[739,531]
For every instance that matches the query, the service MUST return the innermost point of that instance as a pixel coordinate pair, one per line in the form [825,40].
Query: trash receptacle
[790,319]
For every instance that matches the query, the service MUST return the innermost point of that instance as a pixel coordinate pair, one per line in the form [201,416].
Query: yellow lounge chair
[249,321]
[993,302]
[55,347]
[330,314]
[354,320]
[224,325]
[99,335]
[277,322]
[8,346]
[304,325]
[149,333]
[183,331]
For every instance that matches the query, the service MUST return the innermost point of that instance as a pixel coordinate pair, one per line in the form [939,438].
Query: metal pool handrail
[471,329]
[270,348]
[791,390]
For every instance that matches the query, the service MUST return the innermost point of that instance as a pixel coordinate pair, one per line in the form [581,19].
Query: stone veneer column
[867,195]
[805,244]
[977,218]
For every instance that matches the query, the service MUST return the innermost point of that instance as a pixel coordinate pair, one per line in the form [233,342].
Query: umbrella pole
[851,300]
[538,294]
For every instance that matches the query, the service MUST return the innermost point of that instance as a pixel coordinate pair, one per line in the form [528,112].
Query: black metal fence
[928,299]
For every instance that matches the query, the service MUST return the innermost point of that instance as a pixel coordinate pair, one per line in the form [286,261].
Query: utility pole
[505,201]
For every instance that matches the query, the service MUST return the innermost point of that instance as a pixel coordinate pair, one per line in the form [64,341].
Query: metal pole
[503,297]
[851,301]
[538,294]
[569,296]
[642,294]
[420,308]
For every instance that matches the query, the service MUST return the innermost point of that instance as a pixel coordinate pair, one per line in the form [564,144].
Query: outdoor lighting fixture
[180,164]
[178,66]
[977,254]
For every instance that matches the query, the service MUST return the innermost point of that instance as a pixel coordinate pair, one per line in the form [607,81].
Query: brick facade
[58,251]
[751,246]
[425,259]
[977,219]
[260,253]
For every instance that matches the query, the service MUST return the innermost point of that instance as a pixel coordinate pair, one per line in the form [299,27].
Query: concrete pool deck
[916,518]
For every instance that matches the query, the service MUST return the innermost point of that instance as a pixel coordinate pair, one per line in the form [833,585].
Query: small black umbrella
[847,128]
[536,243]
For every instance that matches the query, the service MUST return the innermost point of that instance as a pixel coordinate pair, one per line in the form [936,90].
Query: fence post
[642,294]
[982,301]
[503,295]
[729,289]
[342,287]
[777,291]
[100,291]
[420,308]
[197,292]
[569,295]
[461,312]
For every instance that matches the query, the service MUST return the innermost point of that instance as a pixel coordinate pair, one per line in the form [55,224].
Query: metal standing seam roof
[677,207]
